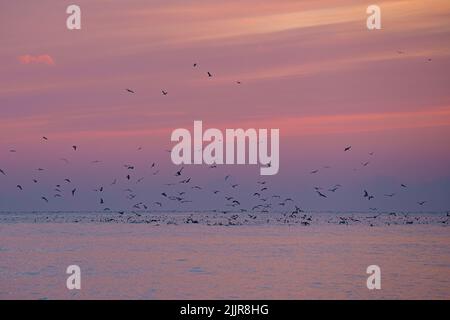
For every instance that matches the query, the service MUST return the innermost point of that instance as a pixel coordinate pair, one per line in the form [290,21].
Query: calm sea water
[196,261]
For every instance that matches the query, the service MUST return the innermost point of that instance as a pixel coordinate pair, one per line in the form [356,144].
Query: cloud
[43,58]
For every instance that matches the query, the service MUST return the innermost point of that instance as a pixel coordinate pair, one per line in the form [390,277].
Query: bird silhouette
[321,194]
[130,91]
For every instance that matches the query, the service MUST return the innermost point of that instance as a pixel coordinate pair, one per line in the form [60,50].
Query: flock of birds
[264,201]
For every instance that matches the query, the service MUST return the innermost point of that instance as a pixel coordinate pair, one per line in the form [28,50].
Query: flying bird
[209,74]
[321,194]
[2,172]
[178,173]
[348,148]
[164,92]
[45,199]
[19,187]
[130,91]
[74,148]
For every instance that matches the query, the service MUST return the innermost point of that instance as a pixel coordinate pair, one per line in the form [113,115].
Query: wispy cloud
[40,59]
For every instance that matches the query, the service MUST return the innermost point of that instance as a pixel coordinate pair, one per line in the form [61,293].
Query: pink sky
[309,68]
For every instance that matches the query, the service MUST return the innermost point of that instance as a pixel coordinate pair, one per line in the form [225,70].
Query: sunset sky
[309,68]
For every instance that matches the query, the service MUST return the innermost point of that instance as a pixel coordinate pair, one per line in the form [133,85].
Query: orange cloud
[43,58]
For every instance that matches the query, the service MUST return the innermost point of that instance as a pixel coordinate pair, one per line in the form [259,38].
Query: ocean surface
[216,255]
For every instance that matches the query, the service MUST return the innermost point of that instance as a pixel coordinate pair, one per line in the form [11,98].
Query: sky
[311,69]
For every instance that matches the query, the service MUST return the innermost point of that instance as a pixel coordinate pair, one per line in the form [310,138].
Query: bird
[130,91]
[348,148]
[314,171]
[73,192]
[19,187]
[44,138]
[238,82]
[178,173]
[209,74]
[403,185]
[2,172]
[321,194]
[101,201]
[74,148]
[366,194]
[365,164]
[164,92]
[421,203]
[67,180]
[45,199]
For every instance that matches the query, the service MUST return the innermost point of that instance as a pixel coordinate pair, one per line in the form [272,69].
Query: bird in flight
[74,148]
[421,203]
[178,173]
[45,199]
[164,92]
[403,185]
[45,138]
[130,91]
[321,194]
[2,172]
[194,65]
[73,192]
[209,74]
[19,187]
[348,148]
[314,171]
